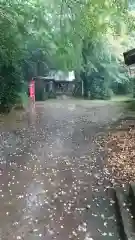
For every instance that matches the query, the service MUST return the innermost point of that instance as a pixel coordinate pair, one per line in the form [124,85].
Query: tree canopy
[38,35]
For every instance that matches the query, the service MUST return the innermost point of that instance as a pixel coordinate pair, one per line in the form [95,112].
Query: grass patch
[22,101]
[130,104]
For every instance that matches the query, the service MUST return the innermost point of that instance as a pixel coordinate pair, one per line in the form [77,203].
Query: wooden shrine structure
[53,85]
[129,57]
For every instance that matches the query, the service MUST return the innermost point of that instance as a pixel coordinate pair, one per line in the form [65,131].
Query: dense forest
[87,36]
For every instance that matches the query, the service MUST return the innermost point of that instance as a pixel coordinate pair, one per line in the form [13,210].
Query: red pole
[32,91]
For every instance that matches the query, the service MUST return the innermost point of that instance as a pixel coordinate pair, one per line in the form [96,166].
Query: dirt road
[52,183]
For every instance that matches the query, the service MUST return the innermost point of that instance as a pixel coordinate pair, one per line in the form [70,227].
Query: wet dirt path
[52,183]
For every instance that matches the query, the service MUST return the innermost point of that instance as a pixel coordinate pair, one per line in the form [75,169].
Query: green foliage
[22,34]
[9,85]
[38,35]
[83,45]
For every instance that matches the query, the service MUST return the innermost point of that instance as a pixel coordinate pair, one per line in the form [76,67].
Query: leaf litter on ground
[120,147]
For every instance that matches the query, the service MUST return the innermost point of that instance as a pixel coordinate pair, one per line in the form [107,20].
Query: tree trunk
[84,71]
[85,84]
[134,88]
